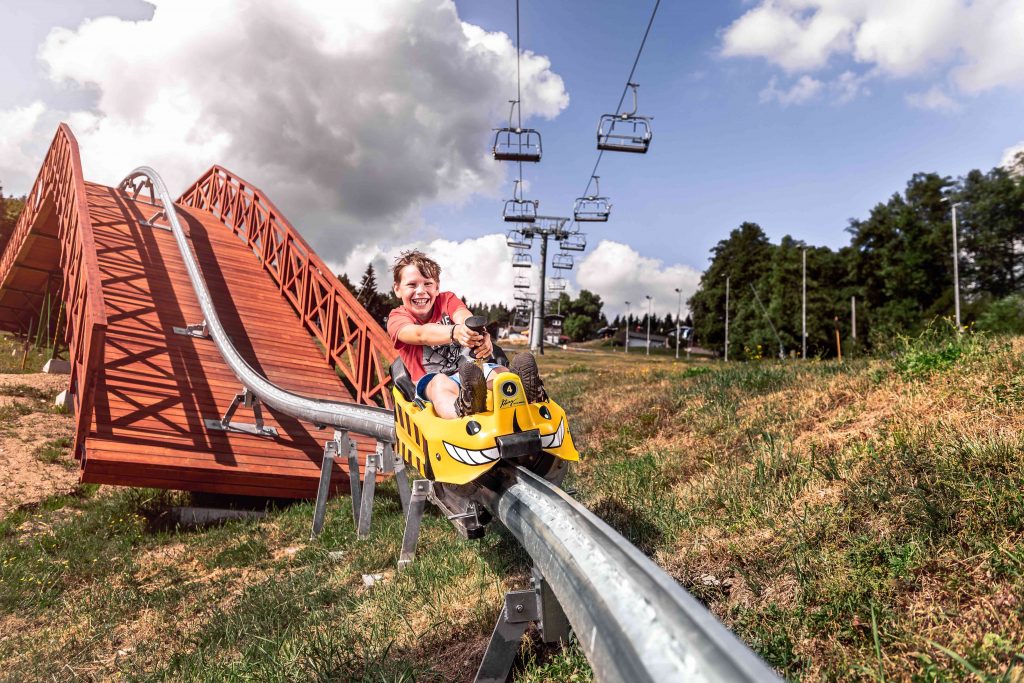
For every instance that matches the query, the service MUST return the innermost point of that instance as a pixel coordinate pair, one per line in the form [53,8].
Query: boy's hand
[485,348]
[467,337]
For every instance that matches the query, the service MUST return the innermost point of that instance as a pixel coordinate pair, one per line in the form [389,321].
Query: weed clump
[936,350]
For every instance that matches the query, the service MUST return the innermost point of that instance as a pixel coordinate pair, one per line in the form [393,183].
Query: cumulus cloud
[350,115]
[975,42]
[618,273]
[806,88]
[1010,158]
[478,269]
[934,99]
[19,126]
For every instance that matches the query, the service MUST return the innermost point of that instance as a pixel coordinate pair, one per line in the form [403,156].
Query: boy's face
[417,292]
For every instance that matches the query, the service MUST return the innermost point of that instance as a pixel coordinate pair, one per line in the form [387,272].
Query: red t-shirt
[420,360]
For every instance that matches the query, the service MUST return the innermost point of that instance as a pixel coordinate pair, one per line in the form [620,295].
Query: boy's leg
[525,365]
[453,399]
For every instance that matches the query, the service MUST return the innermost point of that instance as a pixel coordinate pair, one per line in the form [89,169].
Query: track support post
[413,518]
[539,606]
[332,450]
[373,463]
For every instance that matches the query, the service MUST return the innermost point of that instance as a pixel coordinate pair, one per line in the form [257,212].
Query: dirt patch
[24,479]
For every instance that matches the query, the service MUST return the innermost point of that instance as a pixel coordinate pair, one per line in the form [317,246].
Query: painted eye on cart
[472,427]
[545,413]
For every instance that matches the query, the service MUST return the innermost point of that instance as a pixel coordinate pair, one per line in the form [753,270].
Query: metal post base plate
[241,427]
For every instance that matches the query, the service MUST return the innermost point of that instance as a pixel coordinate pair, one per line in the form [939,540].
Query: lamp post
[625,346]
[650,304]
[956,271]
[956,265]
[727,318]
[803,313]
[679,310]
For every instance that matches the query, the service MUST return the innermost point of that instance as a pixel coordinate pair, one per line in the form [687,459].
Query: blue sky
[719,155]
[368,124]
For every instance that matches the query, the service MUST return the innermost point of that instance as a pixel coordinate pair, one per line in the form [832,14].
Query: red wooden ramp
[141,391]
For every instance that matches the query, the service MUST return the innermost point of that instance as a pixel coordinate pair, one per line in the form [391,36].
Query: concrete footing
[56,366]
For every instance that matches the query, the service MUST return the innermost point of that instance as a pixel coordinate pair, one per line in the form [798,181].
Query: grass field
[856,521]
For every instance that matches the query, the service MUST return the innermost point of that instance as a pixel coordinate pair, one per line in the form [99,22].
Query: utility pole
[956,270]
[727,318]
[650,303]
[853,323]
[803,315]
[625,346]
[679,311]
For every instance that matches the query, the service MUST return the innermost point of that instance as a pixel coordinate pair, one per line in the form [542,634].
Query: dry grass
[849,522]
[800,501]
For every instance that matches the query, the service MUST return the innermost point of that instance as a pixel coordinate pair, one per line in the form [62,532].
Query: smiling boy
[428,331]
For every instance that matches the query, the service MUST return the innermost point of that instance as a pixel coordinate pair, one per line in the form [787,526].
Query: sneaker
[525,365]
[473,392]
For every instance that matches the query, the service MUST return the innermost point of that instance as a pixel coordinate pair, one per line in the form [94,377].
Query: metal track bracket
[535,606]
[198,330]
[249,400]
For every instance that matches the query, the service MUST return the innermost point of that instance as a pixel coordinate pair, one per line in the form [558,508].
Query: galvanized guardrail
[633,621]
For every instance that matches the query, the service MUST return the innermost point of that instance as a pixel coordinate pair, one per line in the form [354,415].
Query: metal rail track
[633,621]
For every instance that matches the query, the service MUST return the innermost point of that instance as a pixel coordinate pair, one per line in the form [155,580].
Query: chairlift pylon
[518,240]
[519,210]
[626,132]
[516,144]
[562,262]
[593,208]
[575,242]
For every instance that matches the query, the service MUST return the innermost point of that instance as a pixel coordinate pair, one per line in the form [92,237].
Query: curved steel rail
[633,621]
[368,420]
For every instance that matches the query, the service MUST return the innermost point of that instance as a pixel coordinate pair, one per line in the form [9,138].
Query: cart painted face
[460,450]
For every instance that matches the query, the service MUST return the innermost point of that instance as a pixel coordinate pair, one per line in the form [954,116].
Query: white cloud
[617,273]
[1009,159]
[786,36]
[478,269]
[976,43]
[18,126]
[805,89]
[934,99]
[350,115]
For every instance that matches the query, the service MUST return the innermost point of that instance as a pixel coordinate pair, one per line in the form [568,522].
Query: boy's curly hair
[427,266]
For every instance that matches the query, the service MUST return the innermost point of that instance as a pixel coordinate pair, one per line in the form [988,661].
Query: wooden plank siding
[155,388]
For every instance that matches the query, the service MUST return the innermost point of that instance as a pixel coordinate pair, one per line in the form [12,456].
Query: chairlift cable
[519,86]
[625,89]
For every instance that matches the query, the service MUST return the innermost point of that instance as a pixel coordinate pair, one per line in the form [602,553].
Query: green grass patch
[53,452]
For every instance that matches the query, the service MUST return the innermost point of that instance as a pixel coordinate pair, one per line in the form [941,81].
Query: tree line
[898,266]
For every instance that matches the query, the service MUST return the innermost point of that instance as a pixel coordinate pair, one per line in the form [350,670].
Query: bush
[1005,316]
[936,349]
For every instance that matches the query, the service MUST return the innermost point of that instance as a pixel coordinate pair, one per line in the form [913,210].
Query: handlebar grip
[477,323]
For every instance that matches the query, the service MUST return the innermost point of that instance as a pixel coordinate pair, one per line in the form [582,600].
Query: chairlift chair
[521,282]
[593,208]
[626,132]
[522,260]
[557,284]
[516,144]
[519,210]
[575,242]
[562,261]
[518,240]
